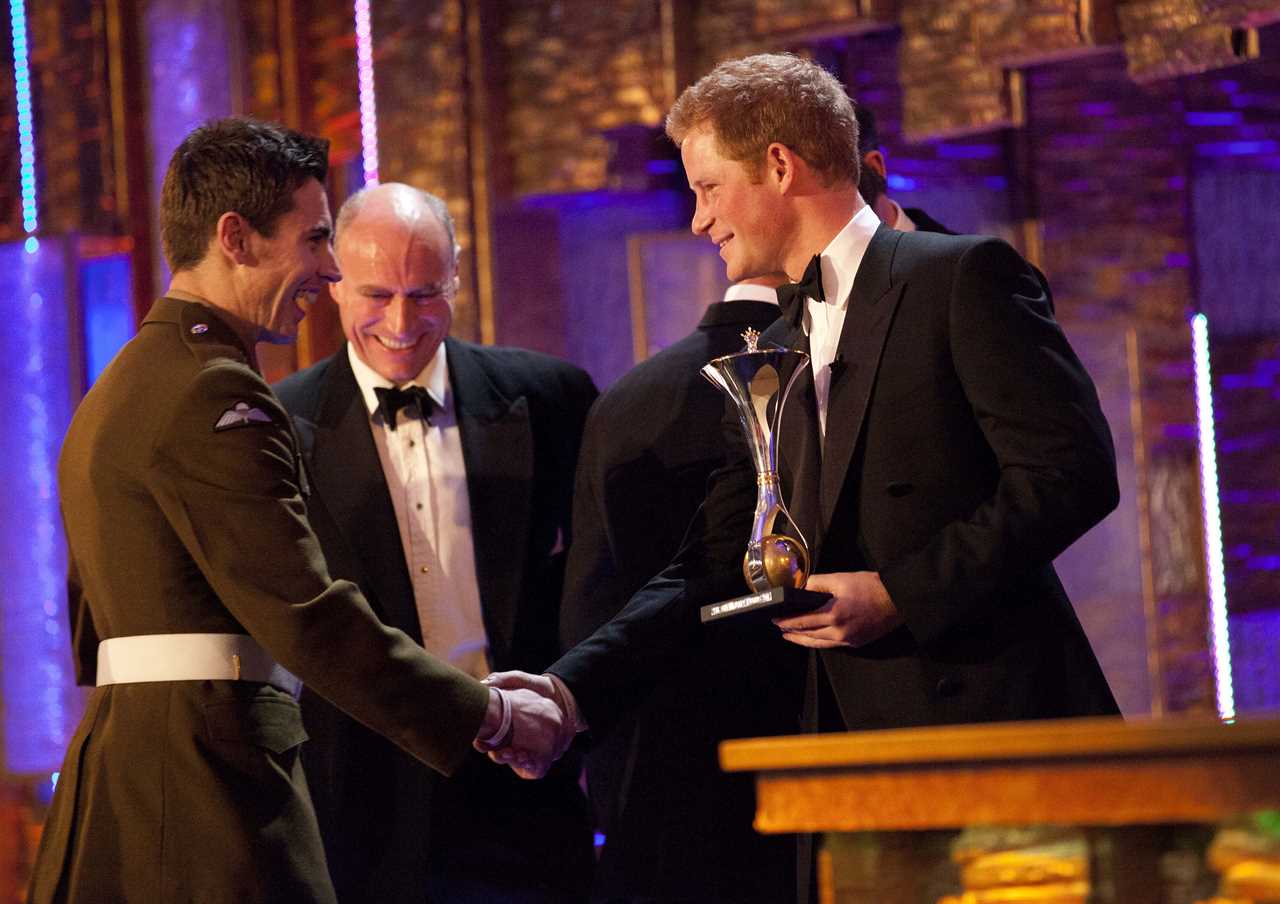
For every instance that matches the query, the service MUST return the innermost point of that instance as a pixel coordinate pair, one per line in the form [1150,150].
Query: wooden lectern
[1079,810]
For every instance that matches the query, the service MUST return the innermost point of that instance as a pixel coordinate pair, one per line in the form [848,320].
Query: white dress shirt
[824,321]
[427,479]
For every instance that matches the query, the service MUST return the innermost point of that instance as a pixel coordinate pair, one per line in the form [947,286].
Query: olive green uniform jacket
[185,508]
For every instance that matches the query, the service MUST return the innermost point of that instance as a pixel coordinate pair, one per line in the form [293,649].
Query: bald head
[392,203]
[396,249]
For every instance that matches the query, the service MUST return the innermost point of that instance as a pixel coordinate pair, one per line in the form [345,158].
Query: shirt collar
[750,292]
[841,258]
[434,378]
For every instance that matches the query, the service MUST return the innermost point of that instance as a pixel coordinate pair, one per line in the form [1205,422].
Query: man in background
[677,828]
[873,182]
[447,468]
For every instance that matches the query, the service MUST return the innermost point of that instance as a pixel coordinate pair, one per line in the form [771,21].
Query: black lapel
[348,475]
[872,303]
[497,447]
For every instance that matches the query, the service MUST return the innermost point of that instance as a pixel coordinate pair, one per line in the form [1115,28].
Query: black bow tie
[791,296]
[391,400]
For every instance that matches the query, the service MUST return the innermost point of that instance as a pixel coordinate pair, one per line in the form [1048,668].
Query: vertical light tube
[41,701]
[26,122]
[368,105]
[1218,627]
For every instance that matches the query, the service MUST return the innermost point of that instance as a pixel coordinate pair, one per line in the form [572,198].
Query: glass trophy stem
[759,381]
[771,521]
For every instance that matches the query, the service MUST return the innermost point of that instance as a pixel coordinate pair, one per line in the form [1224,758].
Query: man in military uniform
[196,581]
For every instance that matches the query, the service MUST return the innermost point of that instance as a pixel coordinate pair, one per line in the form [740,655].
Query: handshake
[530,723]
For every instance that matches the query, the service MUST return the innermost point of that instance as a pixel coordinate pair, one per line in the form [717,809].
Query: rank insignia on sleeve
[241,415]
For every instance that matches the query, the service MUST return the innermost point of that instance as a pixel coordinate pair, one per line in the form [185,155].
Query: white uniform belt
[190,657]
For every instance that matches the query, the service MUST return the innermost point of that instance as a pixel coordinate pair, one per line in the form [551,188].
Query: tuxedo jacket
[676,826]
[965,449]
[385,821]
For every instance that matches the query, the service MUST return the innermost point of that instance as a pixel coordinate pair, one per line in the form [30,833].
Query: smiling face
[396,302]
[746,219]
[292,265]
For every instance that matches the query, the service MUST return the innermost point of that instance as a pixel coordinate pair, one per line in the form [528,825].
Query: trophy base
[773,603]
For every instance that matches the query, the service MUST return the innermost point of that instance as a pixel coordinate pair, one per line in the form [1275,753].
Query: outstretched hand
[858,612]
[541,729]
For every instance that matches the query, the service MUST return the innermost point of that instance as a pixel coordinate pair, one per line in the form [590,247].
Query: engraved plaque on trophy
[776,563]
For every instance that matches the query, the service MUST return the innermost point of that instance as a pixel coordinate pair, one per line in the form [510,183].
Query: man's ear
[232,237]
[781,166]
[875,160]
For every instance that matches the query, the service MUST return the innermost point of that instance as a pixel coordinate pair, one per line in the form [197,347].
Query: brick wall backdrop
[420,53]
[965,182]
[299,68]
[1232,121]
[68,49]
[1233,127]
[1110,167]
[576,70]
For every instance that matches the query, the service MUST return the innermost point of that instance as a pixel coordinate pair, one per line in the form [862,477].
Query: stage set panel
[1058,812]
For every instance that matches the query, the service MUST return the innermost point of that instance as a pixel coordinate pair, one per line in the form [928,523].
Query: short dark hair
[871,185]
[868,134]
[752,102]
[235,164]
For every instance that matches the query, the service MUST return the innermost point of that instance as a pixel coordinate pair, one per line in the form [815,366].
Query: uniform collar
[199,321]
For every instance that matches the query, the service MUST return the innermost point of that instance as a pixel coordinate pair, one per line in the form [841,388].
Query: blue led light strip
[368,106]
[1218,628]
[26,123]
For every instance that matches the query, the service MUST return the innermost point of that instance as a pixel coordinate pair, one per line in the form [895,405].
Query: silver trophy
[777,555]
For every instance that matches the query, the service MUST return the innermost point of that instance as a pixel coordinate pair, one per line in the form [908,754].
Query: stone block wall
[577,69]
[299,68]
[1109,170]
[964,183]
[332,107]
[1246,399]
[76,166]
[421,81]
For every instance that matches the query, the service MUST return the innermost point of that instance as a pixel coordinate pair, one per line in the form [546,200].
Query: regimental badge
[242,414]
